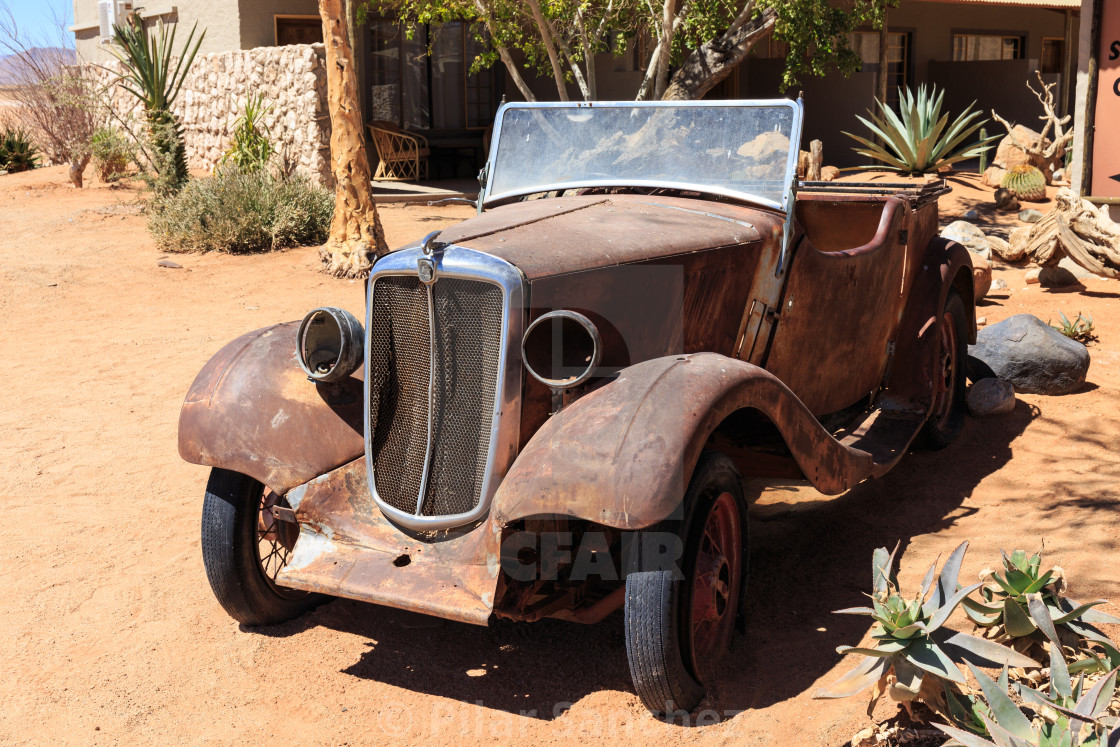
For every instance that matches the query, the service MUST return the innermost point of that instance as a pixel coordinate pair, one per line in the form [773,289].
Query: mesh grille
[399,364]
[467,340]
[467,349]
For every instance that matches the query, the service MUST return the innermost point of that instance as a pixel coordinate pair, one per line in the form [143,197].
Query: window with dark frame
[1053,52]
[866,45]
[417,90]
[986,47]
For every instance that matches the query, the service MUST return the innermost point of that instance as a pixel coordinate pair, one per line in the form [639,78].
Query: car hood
[568,234]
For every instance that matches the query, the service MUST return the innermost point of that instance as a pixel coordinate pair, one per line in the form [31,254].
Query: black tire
[947,413]
[671,673]
[231,552]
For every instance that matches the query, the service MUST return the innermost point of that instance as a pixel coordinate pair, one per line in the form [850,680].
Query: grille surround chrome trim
[468,264]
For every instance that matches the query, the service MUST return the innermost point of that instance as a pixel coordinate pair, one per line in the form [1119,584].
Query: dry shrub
[237,212]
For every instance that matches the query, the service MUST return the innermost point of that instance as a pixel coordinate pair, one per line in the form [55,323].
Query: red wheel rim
[275,538]
[716,575]
[945,378]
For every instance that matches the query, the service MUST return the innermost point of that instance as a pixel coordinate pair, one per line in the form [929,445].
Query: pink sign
[1106,132]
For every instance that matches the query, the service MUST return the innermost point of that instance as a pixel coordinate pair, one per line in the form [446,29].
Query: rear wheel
[947,416]
[244,547]
[680,622]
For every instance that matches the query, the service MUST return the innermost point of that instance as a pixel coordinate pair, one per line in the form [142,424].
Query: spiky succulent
[17,152]
[910,643]
[921,139]
[1027,182]
[1020,602]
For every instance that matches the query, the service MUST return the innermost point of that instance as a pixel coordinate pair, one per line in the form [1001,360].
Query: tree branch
[545,30]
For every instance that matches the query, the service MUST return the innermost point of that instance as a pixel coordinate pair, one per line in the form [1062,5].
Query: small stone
[1005,200]
[169,264]
[970,215]
[1030,215]
[252,308]
[1032,275]
[991,397]
[829,173]
[1030,354]
[999,284]
[981,321]
[1078,271]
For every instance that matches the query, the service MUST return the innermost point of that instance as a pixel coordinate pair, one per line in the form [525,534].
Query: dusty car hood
[568,234]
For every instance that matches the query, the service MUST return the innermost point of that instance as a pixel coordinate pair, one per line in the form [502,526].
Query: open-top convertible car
[552,406]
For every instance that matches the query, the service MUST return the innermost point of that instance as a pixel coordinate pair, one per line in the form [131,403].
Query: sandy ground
[111,634]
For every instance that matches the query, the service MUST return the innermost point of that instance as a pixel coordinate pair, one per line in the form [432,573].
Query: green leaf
[1016,621]
[1040,616]
[1004,585]
[1019,560]
[942,615]
[1018,580]
[866,674]
[966,738]
[969,648]
[908,681]
[1097,699]
[1006,713]
[927,655]
[882,563]
[855,611]
[887,649]
[1059,672]
[1082,610]
[1038,583]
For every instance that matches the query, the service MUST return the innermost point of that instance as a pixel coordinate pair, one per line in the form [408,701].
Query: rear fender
[945,265]
[252,410]
[623,454]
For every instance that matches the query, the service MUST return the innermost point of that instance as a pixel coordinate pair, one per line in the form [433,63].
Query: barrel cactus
[1027,182]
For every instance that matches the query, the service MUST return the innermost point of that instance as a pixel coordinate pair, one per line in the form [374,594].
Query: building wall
[219,18]
[293,82]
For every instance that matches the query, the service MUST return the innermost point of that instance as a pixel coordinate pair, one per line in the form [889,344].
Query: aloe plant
[1020,604]
[909,641]
[920,138]
[150,77]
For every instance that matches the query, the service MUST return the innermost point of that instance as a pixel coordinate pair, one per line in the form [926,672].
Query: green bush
[249,148]
[237,212]
[112,151]
[17,152]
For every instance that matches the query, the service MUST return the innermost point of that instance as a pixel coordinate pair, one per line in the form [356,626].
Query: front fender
[252,410]
[623,454]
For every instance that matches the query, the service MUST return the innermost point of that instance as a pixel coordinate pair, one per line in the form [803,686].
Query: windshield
[737,148]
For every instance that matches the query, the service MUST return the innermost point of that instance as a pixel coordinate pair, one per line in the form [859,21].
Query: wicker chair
[404,156]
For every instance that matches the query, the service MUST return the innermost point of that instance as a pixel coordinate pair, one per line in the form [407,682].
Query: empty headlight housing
[329,344]
[561,349]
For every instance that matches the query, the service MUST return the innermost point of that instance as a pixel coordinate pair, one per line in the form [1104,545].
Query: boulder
[993,177]
[1027,352]
[991,397]
[1030,215]
[969,236]
[981,276]
[1009,155]
[1065,274]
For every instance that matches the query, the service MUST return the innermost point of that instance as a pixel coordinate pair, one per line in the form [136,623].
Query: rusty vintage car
[552,406]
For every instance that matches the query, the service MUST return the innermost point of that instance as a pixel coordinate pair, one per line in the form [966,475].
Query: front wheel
[947,415]
[244,547]
[680,621]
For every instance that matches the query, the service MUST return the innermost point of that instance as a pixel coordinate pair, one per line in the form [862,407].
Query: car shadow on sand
[807,557]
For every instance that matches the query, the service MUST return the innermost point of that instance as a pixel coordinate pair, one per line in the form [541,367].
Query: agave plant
[921,139]
[1024,604]
[151,78]
[910,660]
[1069,716]
[250,148]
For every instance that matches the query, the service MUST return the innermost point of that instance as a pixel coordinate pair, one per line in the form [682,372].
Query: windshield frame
[488,197]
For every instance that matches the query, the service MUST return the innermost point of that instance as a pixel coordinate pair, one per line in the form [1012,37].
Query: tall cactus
[149,76]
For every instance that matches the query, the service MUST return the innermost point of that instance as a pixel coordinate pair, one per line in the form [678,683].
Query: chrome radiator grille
[434,358]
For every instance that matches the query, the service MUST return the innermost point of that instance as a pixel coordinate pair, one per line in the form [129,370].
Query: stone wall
[293,81]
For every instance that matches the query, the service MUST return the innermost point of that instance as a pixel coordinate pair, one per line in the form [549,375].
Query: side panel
[622,455]
[252,410]
[838,312]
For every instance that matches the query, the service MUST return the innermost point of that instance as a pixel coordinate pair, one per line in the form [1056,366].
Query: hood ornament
[426,265]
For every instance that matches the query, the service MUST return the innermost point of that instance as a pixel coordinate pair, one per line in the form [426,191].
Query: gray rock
[1030,215]
[991,397]
[1006,200]
[169,264]
[968,236]
[1079,272]
[1031,355]
[970,215]
[1057,277]
[999,284]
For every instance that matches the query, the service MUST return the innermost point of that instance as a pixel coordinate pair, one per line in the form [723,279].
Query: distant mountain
[11,65]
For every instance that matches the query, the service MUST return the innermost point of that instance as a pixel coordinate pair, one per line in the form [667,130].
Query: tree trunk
[77,170]
[356,235]
[884,46]
[550,48]
[714,60]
